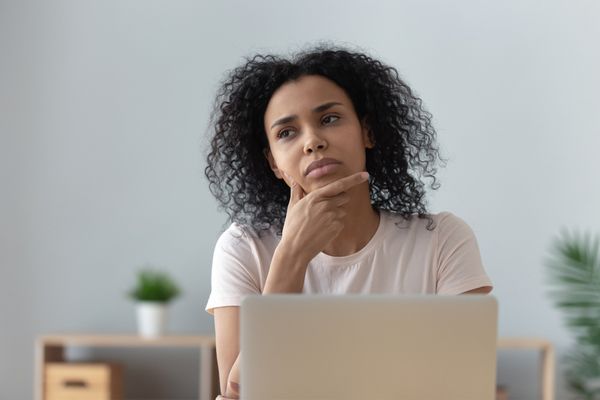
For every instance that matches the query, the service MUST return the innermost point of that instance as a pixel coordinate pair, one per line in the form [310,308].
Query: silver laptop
[376,347]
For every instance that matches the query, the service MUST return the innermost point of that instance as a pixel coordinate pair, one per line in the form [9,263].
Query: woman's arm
[286,275]
[227,321]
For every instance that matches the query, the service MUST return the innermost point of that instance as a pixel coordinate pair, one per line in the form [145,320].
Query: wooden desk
[50,348]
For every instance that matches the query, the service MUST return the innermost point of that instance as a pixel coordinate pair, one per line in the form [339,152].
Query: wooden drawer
[82,381]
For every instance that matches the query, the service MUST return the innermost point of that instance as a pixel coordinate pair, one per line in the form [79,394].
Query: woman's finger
[340,199]
[341,185]
[296,192]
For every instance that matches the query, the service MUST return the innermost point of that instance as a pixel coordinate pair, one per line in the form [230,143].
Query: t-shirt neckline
[376,240]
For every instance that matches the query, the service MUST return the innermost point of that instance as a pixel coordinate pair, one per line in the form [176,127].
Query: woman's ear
[368,138]
[272,163]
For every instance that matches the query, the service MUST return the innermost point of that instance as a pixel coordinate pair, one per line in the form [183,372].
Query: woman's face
[312,119]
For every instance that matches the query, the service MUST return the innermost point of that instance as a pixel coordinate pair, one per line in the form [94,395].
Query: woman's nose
[314,142]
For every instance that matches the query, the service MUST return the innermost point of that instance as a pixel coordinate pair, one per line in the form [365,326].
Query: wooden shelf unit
[547,362]
[51,348]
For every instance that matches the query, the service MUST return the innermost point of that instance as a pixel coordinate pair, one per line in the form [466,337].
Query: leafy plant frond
[574,275]
[583,372]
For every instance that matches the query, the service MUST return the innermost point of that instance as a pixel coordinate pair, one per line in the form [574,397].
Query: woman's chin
[315,184]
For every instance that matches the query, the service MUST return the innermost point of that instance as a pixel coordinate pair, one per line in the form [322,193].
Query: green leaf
[154,285]
[574,274]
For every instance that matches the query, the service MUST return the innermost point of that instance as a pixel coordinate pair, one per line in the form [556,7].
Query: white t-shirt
[402,257]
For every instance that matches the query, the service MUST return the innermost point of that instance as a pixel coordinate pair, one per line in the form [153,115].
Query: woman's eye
[284,133]
[328,119]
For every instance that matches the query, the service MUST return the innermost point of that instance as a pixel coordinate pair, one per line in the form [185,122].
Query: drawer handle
[74,383]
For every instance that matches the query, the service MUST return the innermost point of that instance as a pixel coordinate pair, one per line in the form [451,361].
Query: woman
[319,161]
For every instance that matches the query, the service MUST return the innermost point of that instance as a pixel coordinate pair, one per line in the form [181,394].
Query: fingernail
[364,175]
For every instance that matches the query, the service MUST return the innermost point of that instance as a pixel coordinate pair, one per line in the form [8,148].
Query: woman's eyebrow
[317,109]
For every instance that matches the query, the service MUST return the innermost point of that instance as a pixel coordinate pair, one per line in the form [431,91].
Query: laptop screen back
[300,347]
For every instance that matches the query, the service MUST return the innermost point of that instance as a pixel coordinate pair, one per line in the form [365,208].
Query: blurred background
[104,109]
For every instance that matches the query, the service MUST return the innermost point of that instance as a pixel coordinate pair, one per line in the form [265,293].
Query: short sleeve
[460,268]
[234,270]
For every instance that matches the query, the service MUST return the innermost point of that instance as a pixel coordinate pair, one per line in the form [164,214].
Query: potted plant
[575,276]
[153,291]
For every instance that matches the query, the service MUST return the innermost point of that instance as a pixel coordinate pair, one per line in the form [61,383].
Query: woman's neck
[360,224]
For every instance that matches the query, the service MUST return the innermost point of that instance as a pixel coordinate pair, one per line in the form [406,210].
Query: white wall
[103,110]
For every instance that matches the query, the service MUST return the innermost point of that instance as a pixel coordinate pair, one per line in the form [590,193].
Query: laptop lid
[332,347]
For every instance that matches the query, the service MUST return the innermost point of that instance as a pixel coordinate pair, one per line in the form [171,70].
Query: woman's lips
[321,171]
[320,163]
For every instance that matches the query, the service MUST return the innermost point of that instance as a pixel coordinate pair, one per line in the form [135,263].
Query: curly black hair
[405,148]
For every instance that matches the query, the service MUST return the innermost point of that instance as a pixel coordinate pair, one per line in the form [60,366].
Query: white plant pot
[151,318]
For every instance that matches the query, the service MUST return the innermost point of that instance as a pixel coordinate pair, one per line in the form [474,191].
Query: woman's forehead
[304,94]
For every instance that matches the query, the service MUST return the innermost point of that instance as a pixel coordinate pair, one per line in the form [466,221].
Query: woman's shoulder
[429,221]
[242,235]
[433,230]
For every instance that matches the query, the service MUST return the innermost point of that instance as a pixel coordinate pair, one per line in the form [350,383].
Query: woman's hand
[224,398]
[314,219]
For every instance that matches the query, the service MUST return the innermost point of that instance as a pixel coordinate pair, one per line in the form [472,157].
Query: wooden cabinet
[82,381]
[50,349]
